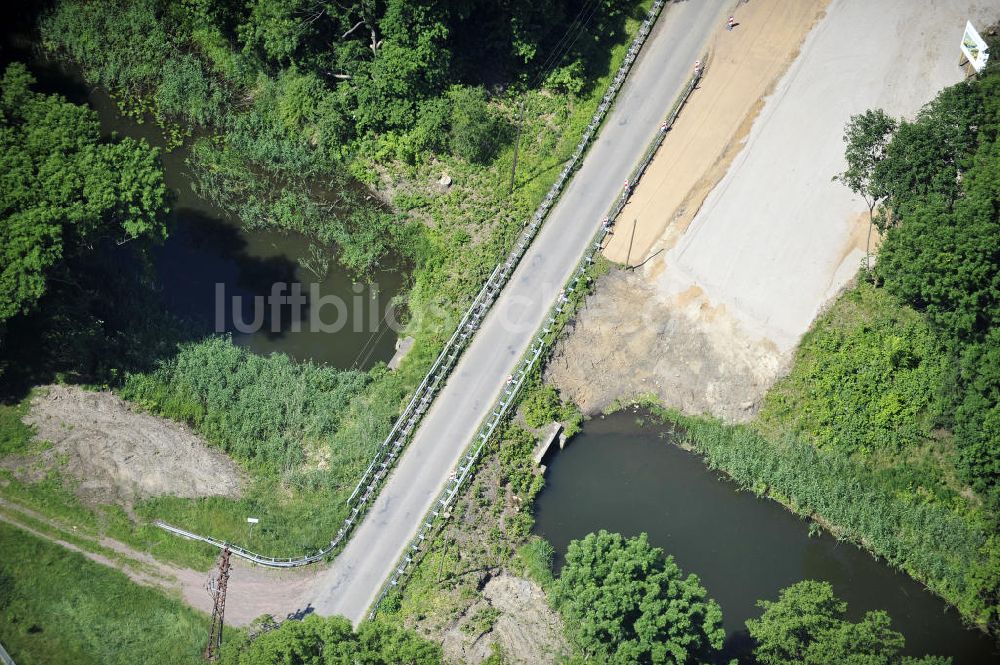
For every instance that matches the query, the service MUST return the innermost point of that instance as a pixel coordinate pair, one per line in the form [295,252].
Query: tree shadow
[204,267]
[739,646]
[120,308]
[302,613]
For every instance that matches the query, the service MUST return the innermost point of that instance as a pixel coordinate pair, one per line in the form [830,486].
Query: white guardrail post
[404,427]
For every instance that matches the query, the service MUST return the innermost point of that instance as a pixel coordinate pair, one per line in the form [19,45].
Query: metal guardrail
[544,337]
[5,658]
[404,427]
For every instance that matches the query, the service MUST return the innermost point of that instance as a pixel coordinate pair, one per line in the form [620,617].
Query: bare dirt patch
[658,349]
[115,454]
[525,628]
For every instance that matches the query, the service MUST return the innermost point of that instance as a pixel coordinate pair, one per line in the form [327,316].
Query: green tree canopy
[942,254]
[63,190]
[624,602]
[807,626]
[332,641]
[866,136]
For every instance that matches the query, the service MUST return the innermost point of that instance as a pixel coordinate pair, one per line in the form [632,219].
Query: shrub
[332,640]
[474,129]
[120,45]
[186,93]
[536,557]
[866,377]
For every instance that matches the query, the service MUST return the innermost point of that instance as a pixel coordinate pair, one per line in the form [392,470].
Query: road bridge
[452,420]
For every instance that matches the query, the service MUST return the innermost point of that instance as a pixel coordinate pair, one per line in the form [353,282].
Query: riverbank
[850,440]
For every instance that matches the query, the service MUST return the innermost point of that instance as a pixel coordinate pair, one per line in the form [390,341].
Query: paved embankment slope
[712,321]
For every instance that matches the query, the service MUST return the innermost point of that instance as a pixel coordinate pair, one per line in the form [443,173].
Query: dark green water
[624,476]
[208,248]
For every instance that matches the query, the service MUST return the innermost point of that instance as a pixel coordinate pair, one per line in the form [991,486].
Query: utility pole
[629,254]
[217,589]
[517,143]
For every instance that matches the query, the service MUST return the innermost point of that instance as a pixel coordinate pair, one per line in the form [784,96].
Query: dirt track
[252,591]
[709,323]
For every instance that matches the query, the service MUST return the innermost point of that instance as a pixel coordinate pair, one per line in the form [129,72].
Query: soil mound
[119,455]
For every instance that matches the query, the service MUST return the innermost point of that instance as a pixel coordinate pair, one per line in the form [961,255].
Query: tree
[278,27]
[942,172]
[624,602]
[866,137]
[944,258]
[977,430]
[411,63]
[331,641]
[63,190]
[806,626]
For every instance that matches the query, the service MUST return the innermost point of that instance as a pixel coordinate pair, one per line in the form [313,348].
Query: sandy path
[709,324]
[252,591]
[742,68]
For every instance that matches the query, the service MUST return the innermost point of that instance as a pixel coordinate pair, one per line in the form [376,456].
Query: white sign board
[252,520]
[974,48]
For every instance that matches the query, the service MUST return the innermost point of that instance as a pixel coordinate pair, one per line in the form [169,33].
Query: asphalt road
[351,584]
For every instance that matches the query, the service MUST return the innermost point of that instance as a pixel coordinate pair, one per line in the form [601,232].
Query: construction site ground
[741,235]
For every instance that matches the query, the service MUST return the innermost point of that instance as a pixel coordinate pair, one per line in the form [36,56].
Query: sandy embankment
[748,235]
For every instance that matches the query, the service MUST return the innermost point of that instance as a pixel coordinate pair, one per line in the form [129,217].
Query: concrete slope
[352,583]
[777,238]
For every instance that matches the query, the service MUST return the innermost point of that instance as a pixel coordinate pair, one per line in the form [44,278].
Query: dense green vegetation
[807,626]
[624,602]
[866,379]
[265,412]
[58,607]
[941,256]
[332,641]
[299,93]
[934,181]
[64,190]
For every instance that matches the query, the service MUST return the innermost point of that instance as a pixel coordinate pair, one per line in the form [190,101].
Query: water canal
[209,259]
[622,474]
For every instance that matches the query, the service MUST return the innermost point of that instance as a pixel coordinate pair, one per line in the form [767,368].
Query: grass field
[58,607]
